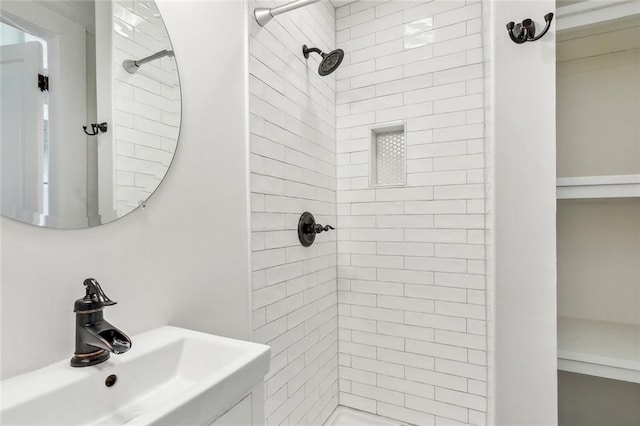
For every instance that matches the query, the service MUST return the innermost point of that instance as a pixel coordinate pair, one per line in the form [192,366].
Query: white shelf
[599,348]
[594,11]
[620,186]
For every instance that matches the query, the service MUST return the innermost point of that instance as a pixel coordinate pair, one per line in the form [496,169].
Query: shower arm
[306,50]
[132,65]
[264,15]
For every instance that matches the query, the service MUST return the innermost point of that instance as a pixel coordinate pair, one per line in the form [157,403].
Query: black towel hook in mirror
[526,31]
[308,228]
[96,128]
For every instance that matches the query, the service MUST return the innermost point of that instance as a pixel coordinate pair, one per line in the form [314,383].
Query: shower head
[330,61]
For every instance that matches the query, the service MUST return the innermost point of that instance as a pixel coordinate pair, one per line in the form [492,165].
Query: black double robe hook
[96,128]
[526,31]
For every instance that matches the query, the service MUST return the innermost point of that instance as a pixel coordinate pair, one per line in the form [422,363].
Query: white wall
[411,259]
[596,86]
[293,170]
[67,109]
[522,194]
[598,271]
[184,259]
[595,401]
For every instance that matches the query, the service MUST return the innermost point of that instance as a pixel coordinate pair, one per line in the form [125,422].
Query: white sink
[170,376]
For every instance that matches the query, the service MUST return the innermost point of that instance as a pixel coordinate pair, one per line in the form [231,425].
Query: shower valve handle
[308,229]
[319,228]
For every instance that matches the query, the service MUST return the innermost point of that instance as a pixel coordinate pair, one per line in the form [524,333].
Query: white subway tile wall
[411,283]
[146,104]
[293,169]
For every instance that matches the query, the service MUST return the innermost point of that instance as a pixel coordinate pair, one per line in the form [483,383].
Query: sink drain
[110,380]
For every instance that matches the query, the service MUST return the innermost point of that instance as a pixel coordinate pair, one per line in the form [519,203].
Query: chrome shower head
[330,61]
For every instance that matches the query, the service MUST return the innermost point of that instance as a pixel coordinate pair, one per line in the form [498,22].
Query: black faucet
[95,337]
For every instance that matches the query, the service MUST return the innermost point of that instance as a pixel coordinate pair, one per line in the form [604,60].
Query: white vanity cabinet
[249,411]
[598,189]
[239,414]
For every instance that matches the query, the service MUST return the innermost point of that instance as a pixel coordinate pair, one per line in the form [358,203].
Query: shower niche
[388,155]
[598,211]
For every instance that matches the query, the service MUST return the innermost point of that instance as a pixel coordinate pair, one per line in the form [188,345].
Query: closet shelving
[599,348]
[591,12]
[612,186]
[598,190]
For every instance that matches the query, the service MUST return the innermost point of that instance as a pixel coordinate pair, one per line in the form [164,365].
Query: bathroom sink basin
[170,376]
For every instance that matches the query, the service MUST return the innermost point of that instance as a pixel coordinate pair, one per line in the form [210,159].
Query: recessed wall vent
[388,155]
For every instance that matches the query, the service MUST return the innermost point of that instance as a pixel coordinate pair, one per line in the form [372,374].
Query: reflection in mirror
[61,78]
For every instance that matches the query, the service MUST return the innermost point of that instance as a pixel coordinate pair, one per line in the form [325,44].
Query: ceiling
[567,2]
[338,3]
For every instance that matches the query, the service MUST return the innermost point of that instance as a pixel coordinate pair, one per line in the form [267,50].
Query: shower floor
[344,416]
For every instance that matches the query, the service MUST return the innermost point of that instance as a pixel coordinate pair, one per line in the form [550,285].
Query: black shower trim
[308,228]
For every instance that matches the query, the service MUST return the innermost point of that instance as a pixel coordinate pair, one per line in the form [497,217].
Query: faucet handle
[95,291]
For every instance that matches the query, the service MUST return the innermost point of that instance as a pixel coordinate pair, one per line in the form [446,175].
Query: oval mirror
[90,109]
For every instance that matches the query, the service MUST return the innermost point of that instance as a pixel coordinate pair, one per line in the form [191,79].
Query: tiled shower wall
[147,103]
[411,259]
[292,126]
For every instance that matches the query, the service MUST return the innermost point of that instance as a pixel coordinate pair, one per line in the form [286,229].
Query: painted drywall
[411,258]
[183,260]
[597,72]
[595,401]
[598,253]
[521,192]
[293,169]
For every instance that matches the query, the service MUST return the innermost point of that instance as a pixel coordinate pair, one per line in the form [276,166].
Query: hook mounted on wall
[96,128]
[526,31]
